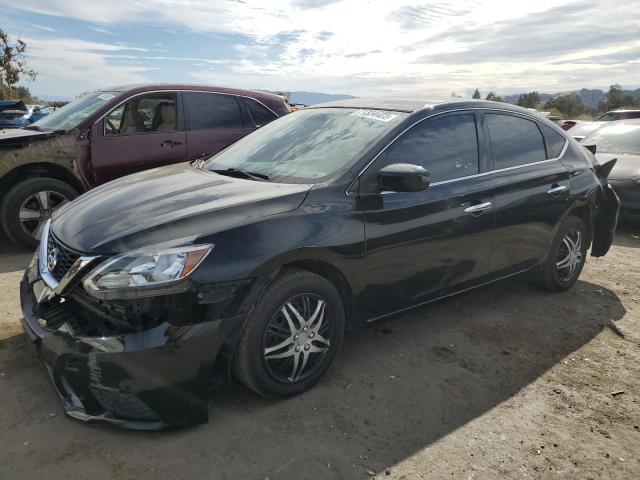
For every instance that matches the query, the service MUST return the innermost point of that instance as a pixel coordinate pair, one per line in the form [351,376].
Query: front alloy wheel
[297,337]
[292,336]
[29,204]
[36,209]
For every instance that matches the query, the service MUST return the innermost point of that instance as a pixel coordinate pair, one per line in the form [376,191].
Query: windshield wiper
[260,177]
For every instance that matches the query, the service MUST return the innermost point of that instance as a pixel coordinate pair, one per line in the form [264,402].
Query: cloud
[550,33]
[425,15]
[360,47]
[307,4]
[80,65]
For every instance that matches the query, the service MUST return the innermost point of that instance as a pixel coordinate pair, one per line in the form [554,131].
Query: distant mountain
[591,98]
[544,97]
[311,98]
[54,98]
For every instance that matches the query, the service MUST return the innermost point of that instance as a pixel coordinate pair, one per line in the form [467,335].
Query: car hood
[626,168]
[20,137]
[583,129]
[177,202]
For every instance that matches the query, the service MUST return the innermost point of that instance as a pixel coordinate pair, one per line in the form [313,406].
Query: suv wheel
[566,257]
[29,204]
[292,337]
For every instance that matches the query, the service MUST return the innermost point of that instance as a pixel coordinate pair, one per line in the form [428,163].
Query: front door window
[151,113]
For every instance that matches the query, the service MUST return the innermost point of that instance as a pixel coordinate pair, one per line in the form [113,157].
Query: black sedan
[256,260]
[621,140]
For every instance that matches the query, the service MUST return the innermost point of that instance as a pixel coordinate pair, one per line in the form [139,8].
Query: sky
[357,47]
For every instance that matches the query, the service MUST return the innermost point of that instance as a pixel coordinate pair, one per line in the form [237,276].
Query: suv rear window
[261,115]
[514,141]
[212,110]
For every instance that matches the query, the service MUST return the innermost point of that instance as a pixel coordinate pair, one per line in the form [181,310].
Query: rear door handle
[556,189]
[478,208]
[170,143]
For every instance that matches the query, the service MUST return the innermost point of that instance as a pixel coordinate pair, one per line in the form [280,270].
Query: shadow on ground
[397,388]
[628,232]
[12,257]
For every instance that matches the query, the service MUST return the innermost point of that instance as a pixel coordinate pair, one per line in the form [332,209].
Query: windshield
[73,113]
[622,139]
[307,146]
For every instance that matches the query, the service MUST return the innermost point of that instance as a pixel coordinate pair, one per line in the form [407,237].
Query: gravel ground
[504,382]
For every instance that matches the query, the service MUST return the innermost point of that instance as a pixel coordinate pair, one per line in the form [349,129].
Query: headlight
[145,272]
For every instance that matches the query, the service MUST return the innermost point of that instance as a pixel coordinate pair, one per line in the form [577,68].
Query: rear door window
[212,110]
[514,141]
[261,114]
[446,146]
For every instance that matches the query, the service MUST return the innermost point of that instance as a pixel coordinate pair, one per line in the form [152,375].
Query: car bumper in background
[149,380]
[605,221]
[629,193]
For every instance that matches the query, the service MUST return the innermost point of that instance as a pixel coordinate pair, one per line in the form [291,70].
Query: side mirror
[403,177]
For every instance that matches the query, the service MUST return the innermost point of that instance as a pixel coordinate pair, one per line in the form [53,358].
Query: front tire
[29,204]
[566,257]
[292,336]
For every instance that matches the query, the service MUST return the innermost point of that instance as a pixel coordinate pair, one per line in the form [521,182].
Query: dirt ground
[504,382]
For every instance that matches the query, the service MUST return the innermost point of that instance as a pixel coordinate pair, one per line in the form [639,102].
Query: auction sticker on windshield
[375,115]
[105,96]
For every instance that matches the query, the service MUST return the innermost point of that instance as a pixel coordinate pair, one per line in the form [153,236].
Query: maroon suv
[113,132]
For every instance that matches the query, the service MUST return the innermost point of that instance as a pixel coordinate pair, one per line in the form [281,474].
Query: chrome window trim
[442,182]
[169,90]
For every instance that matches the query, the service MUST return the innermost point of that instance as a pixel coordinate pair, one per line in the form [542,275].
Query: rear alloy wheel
[292,336]
[28,205]
[566,257]
[569,257]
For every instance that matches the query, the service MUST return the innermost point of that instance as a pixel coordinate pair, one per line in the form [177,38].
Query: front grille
[66,257]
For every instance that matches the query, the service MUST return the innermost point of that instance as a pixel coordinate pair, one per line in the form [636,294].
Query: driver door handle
[555,189]
[169,143]
[478,208]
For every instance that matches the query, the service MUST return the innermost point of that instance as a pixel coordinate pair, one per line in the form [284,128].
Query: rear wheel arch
[584,213]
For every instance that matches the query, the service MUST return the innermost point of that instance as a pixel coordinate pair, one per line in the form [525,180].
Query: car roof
[629,121]
[411,105]
[146,87]
[622,110]
[10,102]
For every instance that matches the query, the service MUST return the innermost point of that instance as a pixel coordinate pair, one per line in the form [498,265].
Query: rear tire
[566,256]
[28,205]
[265,359]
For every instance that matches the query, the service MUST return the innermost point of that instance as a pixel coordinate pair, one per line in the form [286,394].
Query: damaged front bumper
[146,380]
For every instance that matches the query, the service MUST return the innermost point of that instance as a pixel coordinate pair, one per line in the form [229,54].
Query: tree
[493,97]
[13,63]
[616,98]
[529,100]
[22,93]
[569,105]
[476,94]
